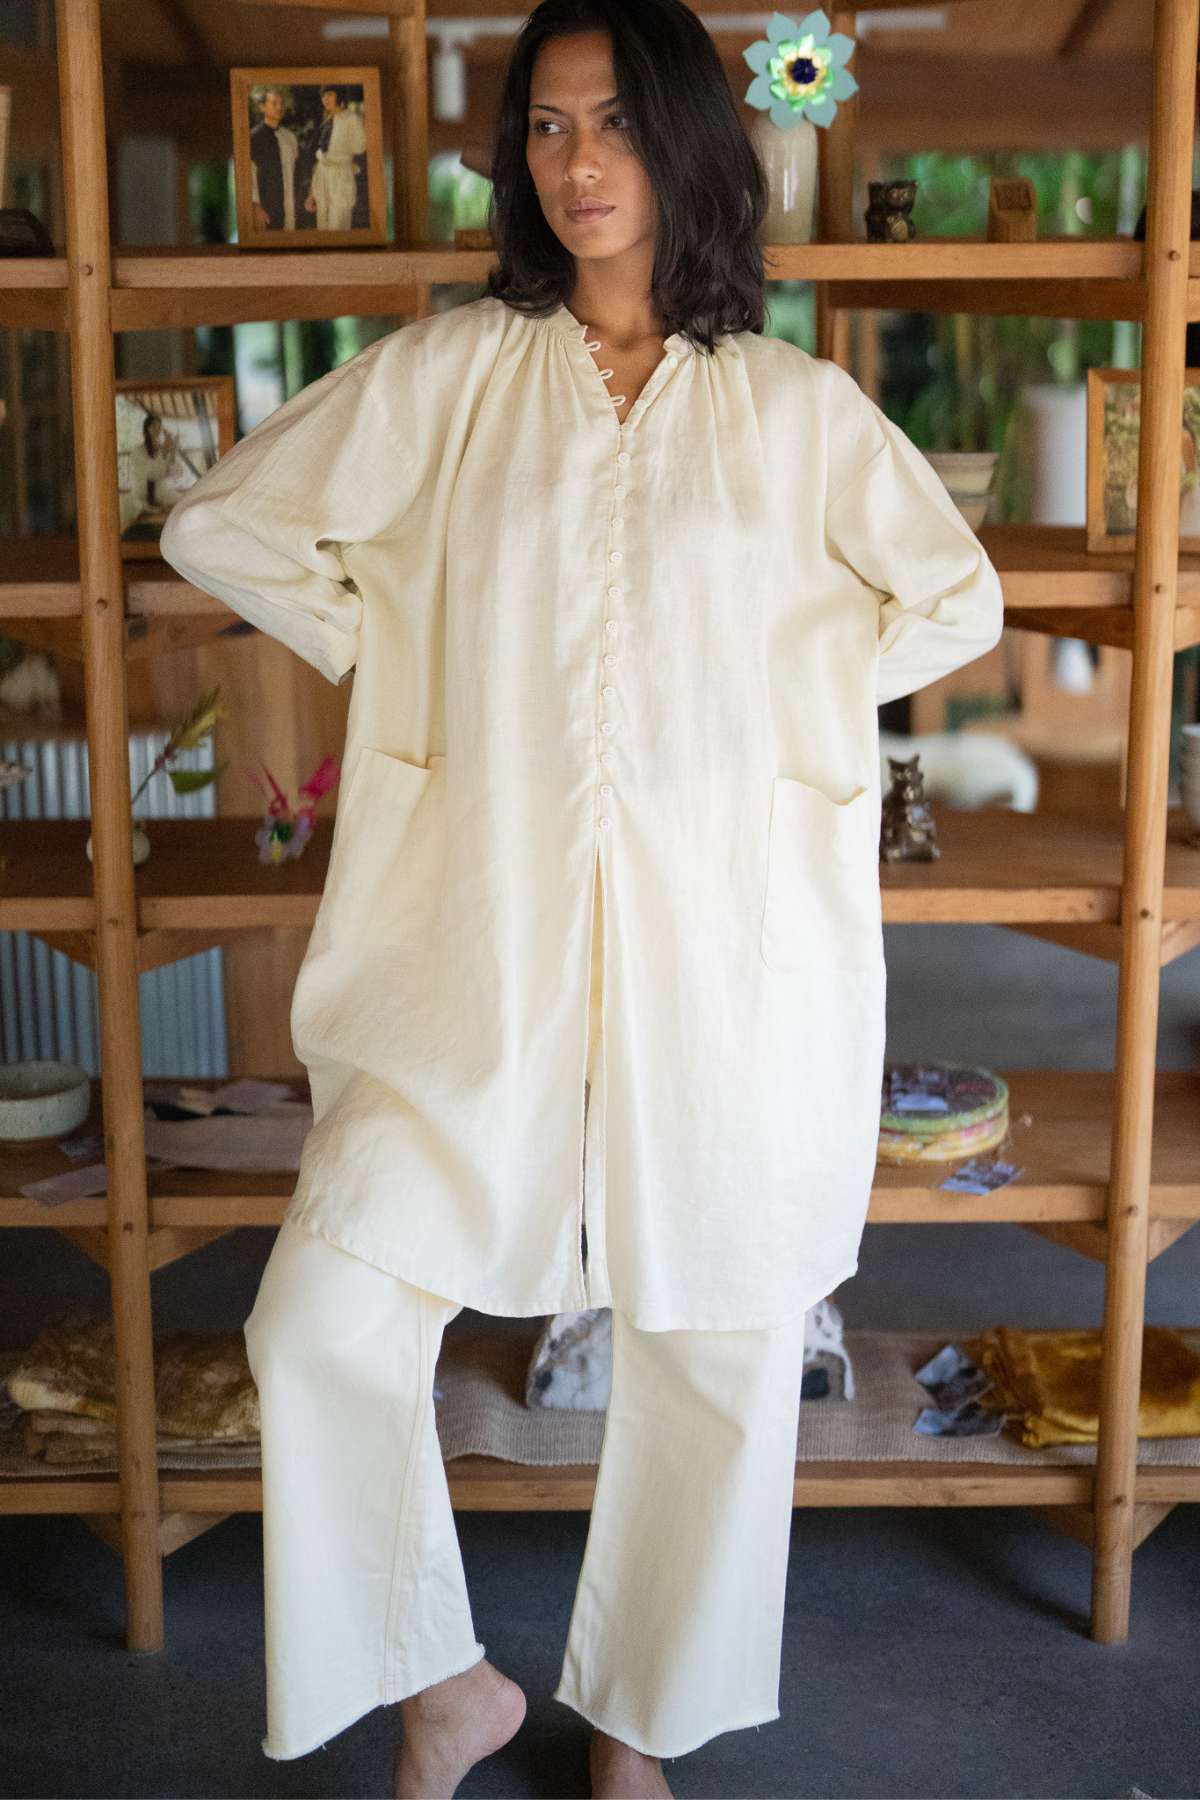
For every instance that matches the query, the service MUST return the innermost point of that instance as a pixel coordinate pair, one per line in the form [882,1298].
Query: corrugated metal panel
[49,1004]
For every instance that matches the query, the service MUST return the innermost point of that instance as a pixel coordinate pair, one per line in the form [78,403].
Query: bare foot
[621,1773]
[451,1726]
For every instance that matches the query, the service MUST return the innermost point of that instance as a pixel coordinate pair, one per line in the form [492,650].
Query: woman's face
[578,148]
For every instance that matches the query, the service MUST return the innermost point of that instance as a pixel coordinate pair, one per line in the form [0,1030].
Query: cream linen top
[645,654]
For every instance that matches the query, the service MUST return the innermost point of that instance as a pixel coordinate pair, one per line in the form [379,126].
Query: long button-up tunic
[633,663]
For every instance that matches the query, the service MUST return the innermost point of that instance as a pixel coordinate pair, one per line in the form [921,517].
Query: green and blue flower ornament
[800,70]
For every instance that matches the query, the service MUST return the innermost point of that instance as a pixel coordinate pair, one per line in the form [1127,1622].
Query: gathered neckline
[563,321]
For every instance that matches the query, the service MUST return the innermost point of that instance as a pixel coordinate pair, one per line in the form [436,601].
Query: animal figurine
[907,831]
[967,768]
[28,682]
[571,1364]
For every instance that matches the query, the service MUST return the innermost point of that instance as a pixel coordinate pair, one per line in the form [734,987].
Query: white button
[673,360]
[614,556]
[608,692]
[606,821]
[606,787]
[620,492]
[614,593]
[609,657]
[606,757]
[611,625]
[622,456]
[617,522]
[608,726]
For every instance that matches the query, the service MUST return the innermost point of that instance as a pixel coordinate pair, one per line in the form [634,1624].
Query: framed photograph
[168,434]
[1113,417]
[308,156]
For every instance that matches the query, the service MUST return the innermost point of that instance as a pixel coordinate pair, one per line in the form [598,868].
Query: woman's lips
[582,216]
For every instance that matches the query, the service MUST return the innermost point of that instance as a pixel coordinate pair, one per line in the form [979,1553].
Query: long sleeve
[893,522]
[265,528]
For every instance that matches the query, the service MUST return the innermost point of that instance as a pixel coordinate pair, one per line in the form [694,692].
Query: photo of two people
[308,155]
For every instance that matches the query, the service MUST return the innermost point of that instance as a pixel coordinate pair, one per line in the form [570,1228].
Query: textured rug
[482,1412]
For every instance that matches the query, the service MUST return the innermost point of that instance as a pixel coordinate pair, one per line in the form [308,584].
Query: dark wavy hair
[709,185]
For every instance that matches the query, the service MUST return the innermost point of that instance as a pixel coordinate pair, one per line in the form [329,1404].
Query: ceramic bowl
[964,471]
[41,1099]
[972,507]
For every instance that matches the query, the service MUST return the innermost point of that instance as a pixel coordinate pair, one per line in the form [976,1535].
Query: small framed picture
[308,156]
[1113,417]
[168,434]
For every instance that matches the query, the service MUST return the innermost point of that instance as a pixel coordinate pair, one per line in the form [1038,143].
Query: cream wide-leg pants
[676,1630]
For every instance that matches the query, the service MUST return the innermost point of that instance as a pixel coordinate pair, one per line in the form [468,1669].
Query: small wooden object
[1012,210]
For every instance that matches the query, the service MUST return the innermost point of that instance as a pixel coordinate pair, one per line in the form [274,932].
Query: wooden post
[410,126]
[1165,261]
[102,586]
[835,207]
[410,137]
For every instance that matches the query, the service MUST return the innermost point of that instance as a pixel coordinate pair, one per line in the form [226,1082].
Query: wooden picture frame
[1113,409]
[169,433]
[289,191]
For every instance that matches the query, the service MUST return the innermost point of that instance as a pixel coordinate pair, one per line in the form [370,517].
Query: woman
[623,581]
[333,188]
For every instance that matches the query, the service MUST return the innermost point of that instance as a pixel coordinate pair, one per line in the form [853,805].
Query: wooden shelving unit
[1111,1160]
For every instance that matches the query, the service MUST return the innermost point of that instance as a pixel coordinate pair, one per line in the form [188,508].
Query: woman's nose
[584,158]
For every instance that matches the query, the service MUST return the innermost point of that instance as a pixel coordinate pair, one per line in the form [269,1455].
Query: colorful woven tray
[940,1111]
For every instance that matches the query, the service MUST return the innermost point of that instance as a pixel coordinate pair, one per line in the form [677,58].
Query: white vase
[139,840]
[790,160]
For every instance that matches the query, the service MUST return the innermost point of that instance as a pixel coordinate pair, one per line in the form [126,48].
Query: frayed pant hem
[385,1699]
[614,1729]
[323,1737]
[459,1668]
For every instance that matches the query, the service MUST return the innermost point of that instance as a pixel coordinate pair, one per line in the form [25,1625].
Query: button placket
[609,656]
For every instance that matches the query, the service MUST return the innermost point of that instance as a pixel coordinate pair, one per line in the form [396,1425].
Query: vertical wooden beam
[835,206]
[410,138]
[1168,226]
[89,275]
[410,131]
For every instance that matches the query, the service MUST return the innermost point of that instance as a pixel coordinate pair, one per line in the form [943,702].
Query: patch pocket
[385,862]
[821,905]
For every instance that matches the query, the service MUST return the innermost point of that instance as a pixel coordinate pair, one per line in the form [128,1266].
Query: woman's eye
[551,124]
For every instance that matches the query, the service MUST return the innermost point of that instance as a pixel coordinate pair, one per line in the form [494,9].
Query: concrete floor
[940,1654]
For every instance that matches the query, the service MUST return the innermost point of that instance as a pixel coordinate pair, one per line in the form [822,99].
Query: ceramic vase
[790,161]
[140,843]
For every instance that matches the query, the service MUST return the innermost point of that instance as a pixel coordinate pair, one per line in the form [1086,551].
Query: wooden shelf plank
[222,283]
[926,259]
[1060,1135]
[32,274]
[1051,566]
[1071,298]
[997,867]
[1051,583]
[46,881]
[1060,1125]
[1002,867]
[940,258]
[485,1484]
